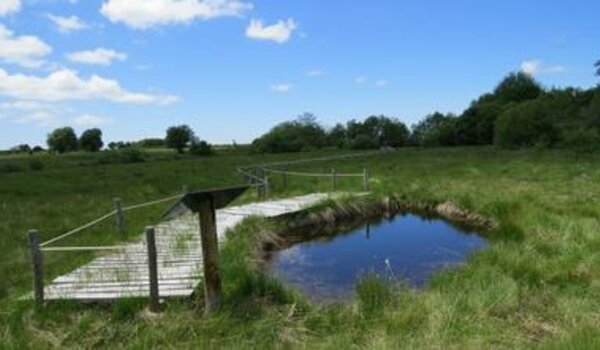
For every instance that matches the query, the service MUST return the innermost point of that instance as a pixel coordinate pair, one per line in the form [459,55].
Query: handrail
[104,217]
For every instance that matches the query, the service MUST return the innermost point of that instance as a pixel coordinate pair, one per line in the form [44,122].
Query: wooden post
[120,218]
[267,186]
[38,268]
[152,269]
[210,254]
[366,179]
[333,179]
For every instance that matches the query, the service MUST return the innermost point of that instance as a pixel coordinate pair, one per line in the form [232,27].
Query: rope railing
[117,212]
[297,173]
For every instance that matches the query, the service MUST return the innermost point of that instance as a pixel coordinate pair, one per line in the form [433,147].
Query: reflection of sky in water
[408,248]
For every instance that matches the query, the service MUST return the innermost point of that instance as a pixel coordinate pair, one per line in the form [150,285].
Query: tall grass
[538,285]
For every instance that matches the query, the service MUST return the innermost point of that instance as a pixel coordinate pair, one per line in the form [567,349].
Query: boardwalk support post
[152,269]
[210,252]
[366,179]
[120,218]
[38,268]
[333,179]
[267,187]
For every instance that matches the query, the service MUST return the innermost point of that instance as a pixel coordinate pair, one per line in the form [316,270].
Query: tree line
[518,113]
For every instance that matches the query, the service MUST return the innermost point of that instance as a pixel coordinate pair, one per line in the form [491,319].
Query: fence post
[120,218]
[38,267]
[267,187]
[210,255]
[333,178]
[366,179]
[152,269]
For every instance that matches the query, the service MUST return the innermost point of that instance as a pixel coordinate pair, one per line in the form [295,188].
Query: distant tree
[436,129]
[151,142]
[337,136]
[62,140]
[23,148]
[518,87]
[200,148]
[178,137]
[301,134]
[525,125]
[91,140]
[37,149]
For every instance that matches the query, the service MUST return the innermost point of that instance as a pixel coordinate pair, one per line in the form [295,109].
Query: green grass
[537,285]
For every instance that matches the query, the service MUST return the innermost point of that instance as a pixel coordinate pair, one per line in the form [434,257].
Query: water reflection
[406,247]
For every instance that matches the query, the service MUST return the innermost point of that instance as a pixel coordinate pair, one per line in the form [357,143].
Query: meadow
[538,285]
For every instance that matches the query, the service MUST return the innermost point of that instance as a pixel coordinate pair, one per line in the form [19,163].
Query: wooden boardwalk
[124,274]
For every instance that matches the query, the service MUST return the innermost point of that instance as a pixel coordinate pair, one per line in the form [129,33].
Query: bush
[582,140]
[525,125]
[36,165]
[10,168]
[301,134]
[201,148]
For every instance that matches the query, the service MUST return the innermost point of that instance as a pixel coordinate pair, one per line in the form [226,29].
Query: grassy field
[537,286]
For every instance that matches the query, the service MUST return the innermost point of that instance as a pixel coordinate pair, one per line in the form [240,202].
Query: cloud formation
[536,67]
[279,32]
[281,88]
[144,14]
[27,50]
[99,56]
[64,85]
[68,24]
[90,120]
[8,7]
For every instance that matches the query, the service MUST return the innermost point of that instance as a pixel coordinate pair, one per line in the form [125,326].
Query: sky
[232,69]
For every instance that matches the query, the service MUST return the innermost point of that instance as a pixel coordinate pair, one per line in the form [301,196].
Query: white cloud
[281,88]
[536,67]
[279,32]
[30,112]
[65,85]
[381,83]
[360,79]
[40,118]
[27,51]
[315,73]
[68,24]
[89,120]
[144,14]
[8,7]
[99,56]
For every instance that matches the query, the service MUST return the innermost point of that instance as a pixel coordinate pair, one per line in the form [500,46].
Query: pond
[408,248]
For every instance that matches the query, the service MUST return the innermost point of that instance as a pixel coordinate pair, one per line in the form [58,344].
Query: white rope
[81,228]
[296,173]
[102,218]
[81,249]
[137,206]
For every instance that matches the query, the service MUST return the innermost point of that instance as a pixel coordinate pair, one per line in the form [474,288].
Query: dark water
[407,248]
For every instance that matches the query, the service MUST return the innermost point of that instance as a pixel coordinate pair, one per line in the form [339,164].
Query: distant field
[538,284]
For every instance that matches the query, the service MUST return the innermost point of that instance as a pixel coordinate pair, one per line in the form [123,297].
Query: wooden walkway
[124,274]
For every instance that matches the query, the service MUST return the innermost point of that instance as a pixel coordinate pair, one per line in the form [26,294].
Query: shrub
[201,148]
[36,165]
[9,168]
[525,125]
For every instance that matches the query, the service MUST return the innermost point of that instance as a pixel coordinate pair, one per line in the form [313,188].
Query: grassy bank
[538,284]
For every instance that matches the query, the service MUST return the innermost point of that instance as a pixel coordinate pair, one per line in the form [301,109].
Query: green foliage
[62,140]
[152,143]
[200,148]
[302,134]
[436,129]
[178,137]
[525,125]
[91,140]
[36,165]
[374,295]
[518,87]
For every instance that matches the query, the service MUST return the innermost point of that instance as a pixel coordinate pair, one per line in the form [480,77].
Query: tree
[436,129]
[178,137]
[62,140]
[23,148]
[337,136]
[91,140]
[200,148]
[518,87]
[525,125]
[301,134]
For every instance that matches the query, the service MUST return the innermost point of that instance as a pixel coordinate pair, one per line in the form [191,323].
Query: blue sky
[231,69]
